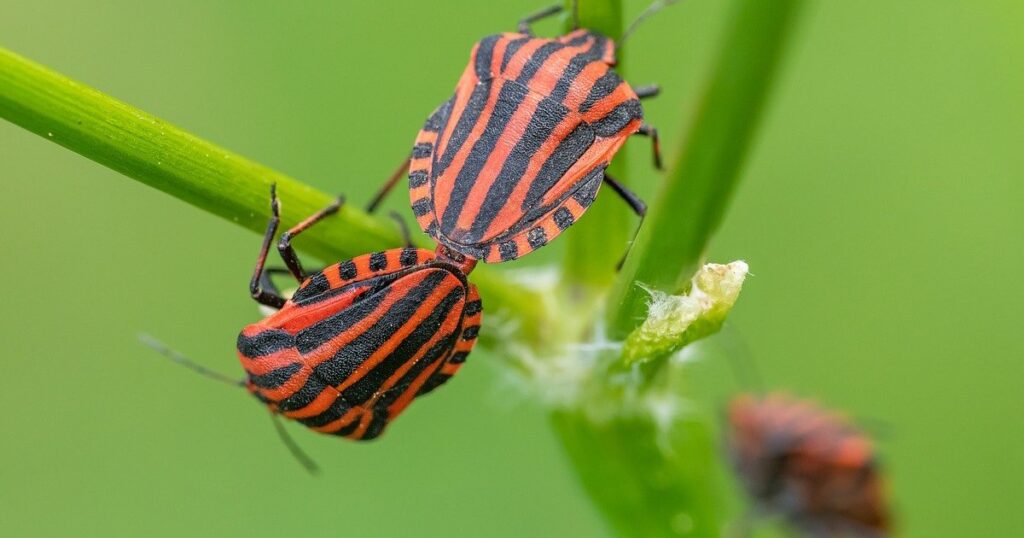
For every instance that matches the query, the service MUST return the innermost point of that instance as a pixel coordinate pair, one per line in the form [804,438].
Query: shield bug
[808,465]
[358,340]
[519,152]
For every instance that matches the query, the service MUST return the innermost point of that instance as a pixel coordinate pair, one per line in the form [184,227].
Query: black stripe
[587,190]
[421,207]
[459,357]
[370,384]
[439,116]
[378,261]
[579,40]
[347,270]
[510,50]
[467,120]
[432,359]
[316,334]
[537,237]
[618,118]
[332,413]
[509,99]
[275,378]
[349,428]
[409,257]
[537,60]
[432,383]
[601,89]
[422,150]
[545,119]
[474,307]
[484,55]
[563,218]
[304,396]
[417,178]
[576,66]
[376,427]
[508,250]
[316,285]
[470,333]
[568,152]
[264,343]
[348,358]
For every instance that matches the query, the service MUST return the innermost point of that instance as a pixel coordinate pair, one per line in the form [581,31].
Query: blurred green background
[882,212]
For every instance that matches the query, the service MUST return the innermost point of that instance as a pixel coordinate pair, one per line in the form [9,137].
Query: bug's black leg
[389,185]
[647,130]
[525,22]
[646,92]
[403,228]
[262,296]
[267,283]
[635,203]
[284,246]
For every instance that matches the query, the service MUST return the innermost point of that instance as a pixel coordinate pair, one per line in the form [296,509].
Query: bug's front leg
[256,289]
[652,133]
[284,246]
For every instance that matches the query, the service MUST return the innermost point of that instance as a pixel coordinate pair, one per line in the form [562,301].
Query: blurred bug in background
[807,465]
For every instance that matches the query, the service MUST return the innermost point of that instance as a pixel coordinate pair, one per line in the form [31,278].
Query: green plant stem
[595,244]
[689,209]
[150,150]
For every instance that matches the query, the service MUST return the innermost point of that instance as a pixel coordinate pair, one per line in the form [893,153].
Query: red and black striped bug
[519,152]
[808,465]
[358,340]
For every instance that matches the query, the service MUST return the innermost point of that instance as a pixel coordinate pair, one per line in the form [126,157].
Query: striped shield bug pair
[512,159]
[807,465]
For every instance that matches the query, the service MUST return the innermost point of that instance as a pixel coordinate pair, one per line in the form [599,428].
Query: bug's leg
[647,130]
[293,447]
[635,203]
[646,92]
[403,228]
[262,296]
[524,24]
[284,245]
[389,185]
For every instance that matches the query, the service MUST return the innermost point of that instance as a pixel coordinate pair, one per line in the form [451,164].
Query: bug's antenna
[162,349]
[293,447]
[652,9]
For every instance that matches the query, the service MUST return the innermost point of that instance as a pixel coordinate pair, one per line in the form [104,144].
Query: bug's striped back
[518,153]
[808,465]
[360,339]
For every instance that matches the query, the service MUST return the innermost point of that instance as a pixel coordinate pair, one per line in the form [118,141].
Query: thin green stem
[150,150]
[595,244]
[689,209]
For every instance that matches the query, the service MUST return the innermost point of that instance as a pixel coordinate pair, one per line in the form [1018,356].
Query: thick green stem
[697,192]
[162,156]
[596,244]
